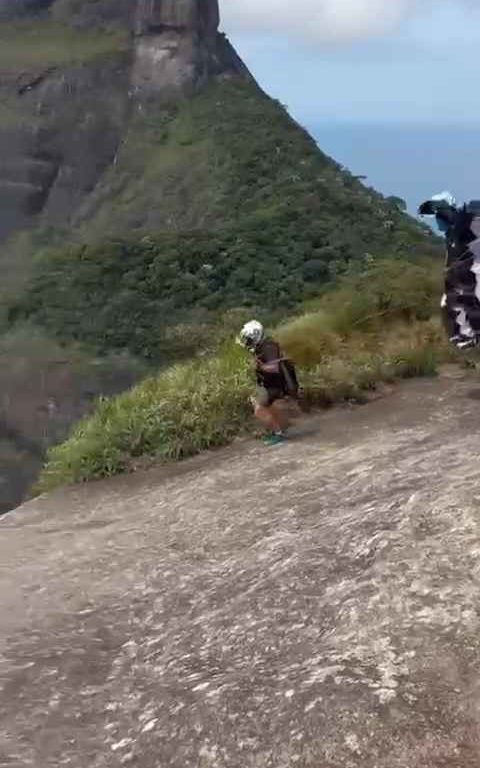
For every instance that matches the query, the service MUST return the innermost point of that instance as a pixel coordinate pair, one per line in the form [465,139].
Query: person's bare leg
[283,413]
[268,418]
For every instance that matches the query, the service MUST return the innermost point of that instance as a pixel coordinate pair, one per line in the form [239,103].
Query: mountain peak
[72,74]
[141,14]
[180,15]
[178,45]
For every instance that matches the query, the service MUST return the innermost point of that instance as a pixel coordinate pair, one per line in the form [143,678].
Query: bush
[387,290]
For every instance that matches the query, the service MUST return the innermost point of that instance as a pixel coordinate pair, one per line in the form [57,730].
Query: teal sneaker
[274,439]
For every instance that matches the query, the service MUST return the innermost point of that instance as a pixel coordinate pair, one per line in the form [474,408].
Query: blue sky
[367,61]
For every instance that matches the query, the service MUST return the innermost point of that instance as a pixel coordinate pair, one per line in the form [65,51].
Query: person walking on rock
[276,380]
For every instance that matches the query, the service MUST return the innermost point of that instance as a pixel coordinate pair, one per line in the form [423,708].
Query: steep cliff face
[72,74]
[64,132]
[44,388]
[79,82]
[177,46]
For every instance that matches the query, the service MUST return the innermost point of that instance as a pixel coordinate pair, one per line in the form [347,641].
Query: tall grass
[204,403]
[182,411]
[361,364]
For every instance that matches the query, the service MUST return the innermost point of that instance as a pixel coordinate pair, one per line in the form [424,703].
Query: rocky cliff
[72,74]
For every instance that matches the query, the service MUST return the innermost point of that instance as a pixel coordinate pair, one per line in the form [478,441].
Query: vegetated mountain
[150,192]
[78,80]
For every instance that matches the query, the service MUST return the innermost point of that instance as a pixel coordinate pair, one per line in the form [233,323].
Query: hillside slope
[315,605]
[222,203]
[150,196]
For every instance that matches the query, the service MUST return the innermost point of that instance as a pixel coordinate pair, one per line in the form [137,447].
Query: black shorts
[266,397]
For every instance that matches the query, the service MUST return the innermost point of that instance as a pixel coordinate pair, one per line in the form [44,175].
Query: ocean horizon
[410,161]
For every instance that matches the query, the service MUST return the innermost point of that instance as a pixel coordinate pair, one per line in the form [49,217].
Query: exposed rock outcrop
[177,46]
[74,76]
[63,121]
[315,607]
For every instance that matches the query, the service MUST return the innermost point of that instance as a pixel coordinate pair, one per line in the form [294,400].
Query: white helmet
[251,334]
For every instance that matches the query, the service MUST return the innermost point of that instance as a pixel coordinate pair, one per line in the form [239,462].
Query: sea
[409,161]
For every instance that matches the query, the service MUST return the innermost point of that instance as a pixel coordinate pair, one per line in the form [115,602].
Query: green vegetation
[232,157]
[215,209]
[398,202]
[246,212]
[164,297]
[33,44]
[345,349]
[364,303]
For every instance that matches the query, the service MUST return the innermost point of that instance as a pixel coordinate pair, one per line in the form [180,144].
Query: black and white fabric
[461,299]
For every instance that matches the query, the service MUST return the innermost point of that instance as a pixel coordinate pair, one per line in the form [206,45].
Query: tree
[397,202]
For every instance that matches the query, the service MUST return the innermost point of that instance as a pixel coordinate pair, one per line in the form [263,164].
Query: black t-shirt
[268,372]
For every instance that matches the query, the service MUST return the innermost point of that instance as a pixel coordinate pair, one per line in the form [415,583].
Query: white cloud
[320,21]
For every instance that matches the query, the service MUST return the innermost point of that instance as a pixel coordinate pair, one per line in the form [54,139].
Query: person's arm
[269,359]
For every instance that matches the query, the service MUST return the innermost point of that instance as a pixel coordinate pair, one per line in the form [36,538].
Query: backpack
[290,379]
